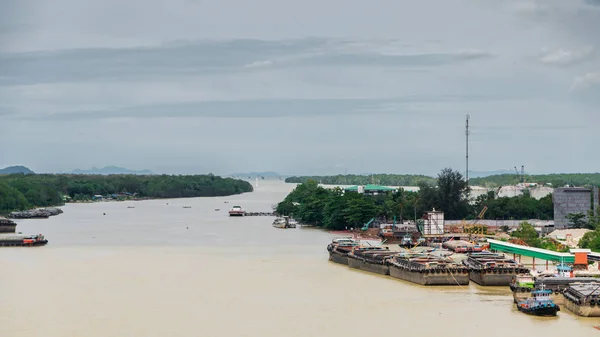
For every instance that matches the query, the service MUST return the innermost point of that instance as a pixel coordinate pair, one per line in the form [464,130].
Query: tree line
[337,209]
[555,180]
[20,192]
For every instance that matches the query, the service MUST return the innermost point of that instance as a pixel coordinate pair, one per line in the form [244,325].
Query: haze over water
[165,270]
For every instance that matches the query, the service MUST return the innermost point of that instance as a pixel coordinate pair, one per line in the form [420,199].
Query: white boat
[292,223]
[280,223]
[237,211]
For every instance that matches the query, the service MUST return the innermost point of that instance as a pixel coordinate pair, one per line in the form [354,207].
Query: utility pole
[467,143]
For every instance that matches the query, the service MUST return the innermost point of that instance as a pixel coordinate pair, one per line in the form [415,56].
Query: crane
[521,175]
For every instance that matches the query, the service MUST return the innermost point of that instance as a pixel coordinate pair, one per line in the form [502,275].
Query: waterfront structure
[433,223]
[569,200]
[370,189]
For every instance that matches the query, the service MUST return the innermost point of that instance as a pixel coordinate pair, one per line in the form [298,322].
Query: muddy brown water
[165,270]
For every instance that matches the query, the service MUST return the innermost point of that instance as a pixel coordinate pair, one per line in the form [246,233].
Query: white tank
[361,189]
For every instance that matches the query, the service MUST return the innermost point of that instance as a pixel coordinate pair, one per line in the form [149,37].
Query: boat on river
[428,269]
[539,304]
[237,211]
[372,259]
[339,248]
[21,240]
[489,269]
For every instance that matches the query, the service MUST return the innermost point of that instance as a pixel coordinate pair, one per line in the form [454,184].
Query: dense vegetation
[590,240]
[19,192]
[557,180]
[529,235]
[336,209]
[380,179]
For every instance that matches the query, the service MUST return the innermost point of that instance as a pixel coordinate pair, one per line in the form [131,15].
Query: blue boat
[539,304]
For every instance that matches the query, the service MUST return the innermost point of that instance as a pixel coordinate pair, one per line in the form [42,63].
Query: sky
[300,87]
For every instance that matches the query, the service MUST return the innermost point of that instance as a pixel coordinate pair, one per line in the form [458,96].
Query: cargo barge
[371,259]
[489,269]
[462,246]
[20,240]
[339,248]
[522,285]
[7,226]
[583,299]
[427,269]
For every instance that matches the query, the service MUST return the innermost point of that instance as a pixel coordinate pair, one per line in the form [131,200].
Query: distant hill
[256,174]
[111,170]
[16,169]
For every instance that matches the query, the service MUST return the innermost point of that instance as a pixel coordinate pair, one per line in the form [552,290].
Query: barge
[583,299]
[20,240]
[237,211]
[427,269]
[371,259]
[7,226]
[462,246]
[489,269]
[339,248]
[522,285]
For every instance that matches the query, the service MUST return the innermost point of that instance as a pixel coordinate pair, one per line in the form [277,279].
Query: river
[159,269]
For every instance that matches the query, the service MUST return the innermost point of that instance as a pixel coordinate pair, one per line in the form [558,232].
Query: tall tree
[452,194]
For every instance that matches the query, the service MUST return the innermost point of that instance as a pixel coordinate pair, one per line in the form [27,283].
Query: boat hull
[541,311]
[338,257]
[355,263]
[429,279]
[491,279]
[585,310]
[236,213]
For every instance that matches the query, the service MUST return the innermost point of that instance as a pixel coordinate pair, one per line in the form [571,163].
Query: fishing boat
[292,223]
[539,304]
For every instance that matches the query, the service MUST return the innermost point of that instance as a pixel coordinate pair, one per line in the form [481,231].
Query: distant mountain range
[110,170]
[16,169]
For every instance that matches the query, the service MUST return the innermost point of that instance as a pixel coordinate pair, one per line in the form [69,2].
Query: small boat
[187,206]
[292,223]
[130,206]
[539,304]
[217,209]
[280,223]
[237,211]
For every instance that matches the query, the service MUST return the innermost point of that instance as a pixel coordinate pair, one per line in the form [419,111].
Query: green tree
[452,194]
[527,233]
[577,220]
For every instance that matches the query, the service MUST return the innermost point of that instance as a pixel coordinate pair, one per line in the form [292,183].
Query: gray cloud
[207,57]
[298,86]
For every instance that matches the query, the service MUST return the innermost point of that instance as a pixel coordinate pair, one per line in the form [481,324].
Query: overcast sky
[312,86]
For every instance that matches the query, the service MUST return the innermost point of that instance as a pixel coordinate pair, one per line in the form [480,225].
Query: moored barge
[489,269]
[583,299]
[427,269]
[371,259]
[20,240]
[522,285]
[339,248]
[7,226]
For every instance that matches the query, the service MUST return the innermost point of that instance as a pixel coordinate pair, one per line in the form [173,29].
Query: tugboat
[539,304]
[237,211]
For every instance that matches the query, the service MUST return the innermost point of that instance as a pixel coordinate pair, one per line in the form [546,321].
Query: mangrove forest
[25,191]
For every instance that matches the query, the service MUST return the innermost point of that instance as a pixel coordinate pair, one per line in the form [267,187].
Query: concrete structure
[570,200]
[596,194]
[434,224]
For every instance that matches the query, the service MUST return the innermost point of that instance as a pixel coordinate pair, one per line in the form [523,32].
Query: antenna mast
[467,143]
